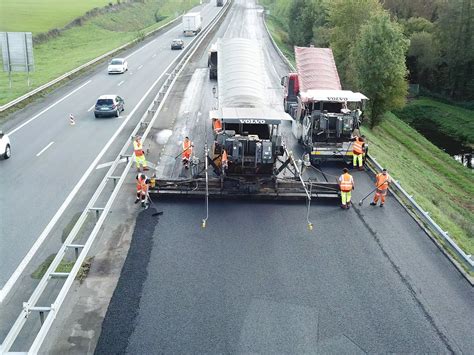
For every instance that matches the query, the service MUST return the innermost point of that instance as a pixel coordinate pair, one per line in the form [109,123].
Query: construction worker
[187,152]
[358,149]
[346,185]
[216,125]
[139,154]
[224,160]
[382,182]
[142,189]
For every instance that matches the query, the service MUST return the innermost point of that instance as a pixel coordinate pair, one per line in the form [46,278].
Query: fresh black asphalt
[119,323]
[256,281]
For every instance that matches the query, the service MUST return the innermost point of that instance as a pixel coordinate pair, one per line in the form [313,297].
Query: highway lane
[54,173]
[255,280]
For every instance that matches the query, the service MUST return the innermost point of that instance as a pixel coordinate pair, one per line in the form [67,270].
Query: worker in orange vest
[346,185]
[142,189]
[217,125]
[358,149]
[382,182]
[139,154]
[187,151]
[224,160]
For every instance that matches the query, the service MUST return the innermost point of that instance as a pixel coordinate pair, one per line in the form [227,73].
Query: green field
[42,15]
[97,36]
[454,122]
[442,186]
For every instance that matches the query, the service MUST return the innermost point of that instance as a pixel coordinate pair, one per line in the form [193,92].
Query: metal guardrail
[397,189]
[79,68]
[425,218]
[101,212]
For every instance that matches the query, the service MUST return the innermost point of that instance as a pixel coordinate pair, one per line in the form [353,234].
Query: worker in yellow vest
[358,149]
[139,154]
[382,182]
[346,185]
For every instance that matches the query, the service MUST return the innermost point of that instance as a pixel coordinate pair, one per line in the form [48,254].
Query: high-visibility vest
[142,185]
[138,148]
[224,158]
[187,150]
[346,182]
[217,125]
[381,181]
[357,148]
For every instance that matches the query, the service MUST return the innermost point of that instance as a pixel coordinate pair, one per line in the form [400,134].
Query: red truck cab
[292,89]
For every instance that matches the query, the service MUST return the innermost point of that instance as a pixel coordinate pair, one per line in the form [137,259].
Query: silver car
[109,105]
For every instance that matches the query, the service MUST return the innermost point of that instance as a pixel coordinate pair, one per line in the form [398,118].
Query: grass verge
[439,184]
[96,36]
[41,16]
[280,37]
[64,266]
[446,120]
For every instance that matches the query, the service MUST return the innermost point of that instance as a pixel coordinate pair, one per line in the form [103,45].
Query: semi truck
[192,23]
[325,117]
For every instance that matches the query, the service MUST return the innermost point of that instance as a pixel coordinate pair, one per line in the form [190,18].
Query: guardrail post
[126,156]
[76,249]
[114,178]
[97,211]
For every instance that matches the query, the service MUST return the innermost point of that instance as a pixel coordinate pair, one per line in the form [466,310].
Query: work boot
[137,200]
[361,168]
[138,170]
[145,168]
[143,204]
[343,206]
[381,205]
[373,204]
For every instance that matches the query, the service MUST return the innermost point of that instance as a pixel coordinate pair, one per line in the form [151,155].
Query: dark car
[177,44]
[108,105]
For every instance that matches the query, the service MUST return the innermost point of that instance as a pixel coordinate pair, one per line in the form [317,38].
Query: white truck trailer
[192,23]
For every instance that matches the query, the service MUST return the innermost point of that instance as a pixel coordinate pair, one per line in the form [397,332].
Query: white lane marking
[34,249]
[43,150]
[140,66]
[48,108]
[105,165]
[139,49]
[154,55]
[91,108]
[121,83]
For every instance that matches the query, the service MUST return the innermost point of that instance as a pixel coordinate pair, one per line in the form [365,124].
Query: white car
[117,65]
[5,147]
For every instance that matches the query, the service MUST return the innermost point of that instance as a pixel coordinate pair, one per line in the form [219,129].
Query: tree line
[380,46]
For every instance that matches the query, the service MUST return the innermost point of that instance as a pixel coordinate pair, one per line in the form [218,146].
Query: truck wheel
[8,152]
